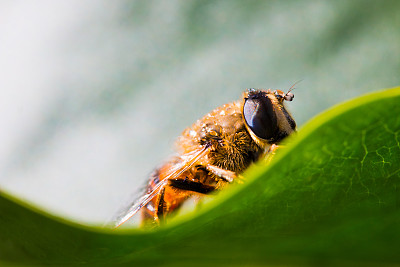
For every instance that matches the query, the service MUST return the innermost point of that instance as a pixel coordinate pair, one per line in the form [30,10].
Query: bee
[214,151]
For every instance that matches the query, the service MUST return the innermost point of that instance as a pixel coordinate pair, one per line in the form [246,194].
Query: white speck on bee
[222,113]
[192,133]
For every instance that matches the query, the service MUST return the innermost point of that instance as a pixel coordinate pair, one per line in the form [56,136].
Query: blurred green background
[94,93]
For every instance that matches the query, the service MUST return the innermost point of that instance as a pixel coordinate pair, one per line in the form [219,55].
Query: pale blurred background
[94,93]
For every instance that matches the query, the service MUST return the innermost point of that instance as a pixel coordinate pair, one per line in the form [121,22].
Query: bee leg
[189,185]
[272,149]
[161,208]
[228,176]
[269,154]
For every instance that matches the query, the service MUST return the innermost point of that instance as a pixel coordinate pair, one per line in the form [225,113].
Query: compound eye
[260,117]
[289,96]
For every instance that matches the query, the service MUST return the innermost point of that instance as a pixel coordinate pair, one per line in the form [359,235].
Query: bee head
[265,116]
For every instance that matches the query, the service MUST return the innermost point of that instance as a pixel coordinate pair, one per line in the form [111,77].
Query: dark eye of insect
[260,117]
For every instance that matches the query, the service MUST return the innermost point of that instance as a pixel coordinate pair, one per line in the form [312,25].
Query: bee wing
[187,161]
[138,204]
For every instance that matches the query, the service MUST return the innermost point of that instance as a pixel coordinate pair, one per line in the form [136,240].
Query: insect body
[214,151]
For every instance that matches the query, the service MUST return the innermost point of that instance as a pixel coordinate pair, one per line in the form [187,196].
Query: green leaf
[330,196]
